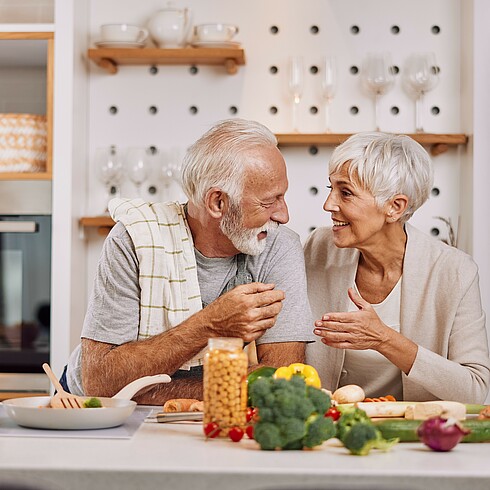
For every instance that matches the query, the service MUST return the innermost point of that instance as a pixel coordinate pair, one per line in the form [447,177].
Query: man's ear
[397,206]
[216,202]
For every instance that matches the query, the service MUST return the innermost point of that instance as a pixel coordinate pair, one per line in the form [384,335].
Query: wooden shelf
[26,175]
[111,58]
[439,143]
[102,223]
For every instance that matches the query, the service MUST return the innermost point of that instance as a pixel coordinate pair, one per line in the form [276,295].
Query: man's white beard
[244,239]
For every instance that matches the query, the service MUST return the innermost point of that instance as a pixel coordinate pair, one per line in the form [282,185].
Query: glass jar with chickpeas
[225,384]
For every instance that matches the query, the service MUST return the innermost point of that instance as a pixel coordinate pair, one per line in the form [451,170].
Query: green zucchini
[406,430]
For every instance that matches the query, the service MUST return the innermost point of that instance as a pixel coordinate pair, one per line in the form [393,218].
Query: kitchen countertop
[177,456]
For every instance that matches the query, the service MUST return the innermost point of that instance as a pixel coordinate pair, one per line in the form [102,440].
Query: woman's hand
[363,329]
[358,330]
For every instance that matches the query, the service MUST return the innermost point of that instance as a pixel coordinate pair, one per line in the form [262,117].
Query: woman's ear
[396,207]
[216,202]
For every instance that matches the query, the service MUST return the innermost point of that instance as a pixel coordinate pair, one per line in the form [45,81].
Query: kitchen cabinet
[111,58]
[24,48]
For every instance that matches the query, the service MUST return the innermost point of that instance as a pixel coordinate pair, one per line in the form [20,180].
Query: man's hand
[246,311]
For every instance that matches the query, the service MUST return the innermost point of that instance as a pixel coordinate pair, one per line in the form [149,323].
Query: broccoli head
[319,429]
[290,414]
[92,403]
[349,417]
[268,435]
[363,436]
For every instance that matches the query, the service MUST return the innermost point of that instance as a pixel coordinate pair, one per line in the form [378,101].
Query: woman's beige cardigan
[440,311]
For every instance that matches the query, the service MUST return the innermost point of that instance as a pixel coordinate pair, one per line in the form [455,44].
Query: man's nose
[281,214]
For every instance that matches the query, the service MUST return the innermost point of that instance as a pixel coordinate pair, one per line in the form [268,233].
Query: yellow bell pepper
[309,373]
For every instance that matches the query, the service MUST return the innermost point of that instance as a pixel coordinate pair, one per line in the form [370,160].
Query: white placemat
[8,428]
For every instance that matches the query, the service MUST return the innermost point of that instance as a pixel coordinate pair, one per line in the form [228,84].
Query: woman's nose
[329,205]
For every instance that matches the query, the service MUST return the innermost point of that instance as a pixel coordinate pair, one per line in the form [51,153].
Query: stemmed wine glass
[296,82]
[137,167]
[109,171]
[377,75]
[171,168]
[329,86]
[420,75]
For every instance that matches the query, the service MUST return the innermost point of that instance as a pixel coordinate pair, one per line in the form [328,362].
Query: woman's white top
[369,369]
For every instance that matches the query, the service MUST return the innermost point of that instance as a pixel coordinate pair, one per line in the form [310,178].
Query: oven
[25,297]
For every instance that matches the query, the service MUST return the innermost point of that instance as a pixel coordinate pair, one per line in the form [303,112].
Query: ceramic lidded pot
[170,27]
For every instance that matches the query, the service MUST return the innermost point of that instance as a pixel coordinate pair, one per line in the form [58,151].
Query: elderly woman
[398,312]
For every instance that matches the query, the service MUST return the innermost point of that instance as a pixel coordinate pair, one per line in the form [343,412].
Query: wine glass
[109,171]
[378,78]
[171,170]
[296,82]
[329,86]
[420,75]
[137,167]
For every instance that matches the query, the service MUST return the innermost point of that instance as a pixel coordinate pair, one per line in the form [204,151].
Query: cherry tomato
[333,413]
[250,431]
[251,413]
[235,434]
[211,429]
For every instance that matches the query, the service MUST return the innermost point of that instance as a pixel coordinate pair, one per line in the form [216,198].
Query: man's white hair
[386,165]
[219,158]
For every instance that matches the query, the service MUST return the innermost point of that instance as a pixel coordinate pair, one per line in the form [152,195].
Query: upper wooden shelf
[439,143]
[111,58]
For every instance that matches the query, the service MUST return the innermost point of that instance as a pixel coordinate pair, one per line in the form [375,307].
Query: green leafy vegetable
[92,403]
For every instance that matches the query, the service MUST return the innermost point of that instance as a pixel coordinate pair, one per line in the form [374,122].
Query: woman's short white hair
[219,158]
[386,165]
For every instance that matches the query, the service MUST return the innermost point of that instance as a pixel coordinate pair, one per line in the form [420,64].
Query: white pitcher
[170,27]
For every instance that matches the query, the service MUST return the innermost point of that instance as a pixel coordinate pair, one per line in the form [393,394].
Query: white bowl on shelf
[215,32]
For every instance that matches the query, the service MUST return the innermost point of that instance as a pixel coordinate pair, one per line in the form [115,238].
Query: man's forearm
[179,388]
[107,368]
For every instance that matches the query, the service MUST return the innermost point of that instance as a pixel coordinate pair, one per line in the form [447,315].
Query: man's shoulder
[281,237]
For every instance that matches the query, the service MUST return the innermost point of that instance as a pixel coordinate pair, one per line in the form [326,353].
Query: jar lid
[226,343]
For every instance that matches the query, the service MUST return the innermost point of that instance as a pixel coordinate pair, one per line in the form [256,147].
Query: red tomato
[333,413]
[235,434]
[251,413]
[211,429]
[250,431]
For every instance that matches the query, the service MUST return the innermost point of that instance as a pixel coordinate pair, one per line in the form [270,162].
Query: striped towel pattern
[167,265]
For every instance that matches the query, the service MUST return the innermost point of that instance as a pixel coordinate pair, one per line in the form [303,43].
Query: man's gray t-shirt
[113,311]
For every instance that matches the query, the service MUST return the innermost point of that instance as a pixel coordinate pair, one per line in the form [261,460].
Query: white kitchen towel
[167,265]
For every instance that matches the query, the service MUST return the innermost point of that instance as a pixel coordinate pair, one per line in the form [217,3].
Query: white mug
[123,33]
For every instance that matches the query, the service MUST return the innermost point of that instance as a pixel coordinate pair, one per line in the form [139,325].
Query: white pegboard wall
[311,29]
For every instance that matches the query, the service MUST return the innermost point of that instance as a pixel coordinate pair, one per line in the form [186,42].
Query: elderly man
[171,275]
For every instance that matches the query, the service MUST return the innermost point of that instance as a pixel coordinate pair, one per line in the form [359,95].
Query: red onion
[441,434]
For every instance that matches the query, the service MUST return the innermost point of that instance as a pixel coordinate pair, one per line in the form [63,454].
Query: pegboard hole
[311,228]
[395,30]
[435,110]
[313,191]
[435,191]
[313,150]
[193,70]
[153,70]
[313,69]
[113,109]
[435,231]
[395,70]
[435,29]
[395,110]
[436,70]
[153,109]
[314,29]
[273,109]
[354,110]
[113,190]
[354,70]
[233,109]
[274,29]
[313,109]
[355,30]
[273,69]
[193,109]
[152,190]
[152,150]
